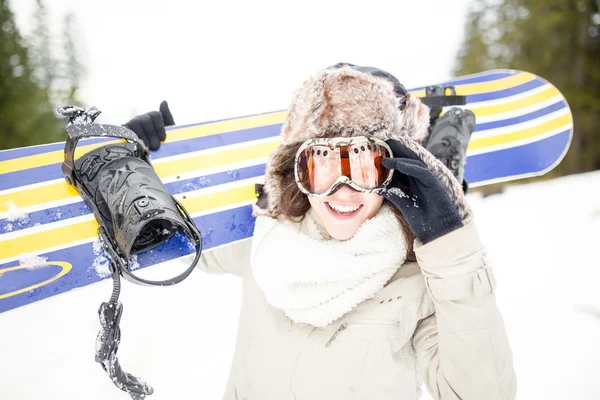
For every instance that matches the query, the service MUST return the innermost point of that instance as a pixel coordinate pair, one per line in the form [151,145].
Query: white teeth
[344,209]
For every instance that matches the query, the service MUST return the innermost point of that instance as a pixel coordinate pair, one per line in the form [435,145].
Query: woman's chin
[342,236]
[344,228]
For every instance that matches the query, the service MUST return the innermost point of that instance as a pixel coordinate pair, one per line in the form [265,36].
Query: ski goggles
[321,166]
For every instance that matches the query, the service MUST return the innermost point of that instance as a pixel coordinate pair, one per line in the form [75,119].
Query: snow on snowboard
[49,238]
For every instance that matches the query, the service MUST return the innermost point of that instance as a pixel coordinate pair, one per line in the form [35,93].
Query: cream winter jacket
[435,321]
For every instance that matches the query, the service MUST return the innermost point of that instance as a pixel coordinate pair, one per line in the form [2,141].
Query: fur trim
[344,102]
[416,119]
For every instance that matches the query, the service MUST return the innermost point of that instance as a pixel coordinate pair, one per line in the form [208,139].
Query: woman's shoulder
[409,280]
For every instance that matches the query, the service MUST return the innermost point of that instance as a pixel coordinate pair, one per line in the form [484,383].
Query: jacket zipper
[362,324]
[336,333]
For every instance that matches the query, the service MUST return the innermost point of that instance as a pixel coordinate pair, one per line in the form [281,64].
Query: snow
[133,263]
[542,239]
[101,262]
[13,213]
[30,260]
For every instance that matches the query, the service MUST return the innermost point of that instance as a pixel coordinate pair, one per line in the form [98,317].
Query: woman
[365,276]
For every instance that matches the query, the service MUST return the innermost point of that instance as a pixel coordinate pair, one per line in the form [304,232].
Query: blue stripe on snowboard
[41,149]
[219,228]
[525,159]
[79,208]
[53,171]
[521,118]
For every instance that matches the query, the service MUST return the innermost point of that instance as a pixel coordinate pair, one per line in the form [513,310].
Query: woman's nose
[344,193]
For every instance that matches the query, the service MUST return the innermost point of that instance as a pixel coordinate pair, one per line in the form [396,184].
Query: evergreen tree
[72,68]
[558,40]
[40,48]
[23,104]
[34,81]
[44,64]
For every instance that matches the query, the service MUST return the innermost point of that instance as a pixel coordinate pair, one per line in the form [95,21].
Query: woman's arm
[462,350]
[231,258]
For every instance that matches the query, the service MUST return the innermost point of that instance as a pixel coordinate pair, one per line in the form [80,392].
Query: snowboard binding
[135,213]
[449,139]
[449,134]
[436,98]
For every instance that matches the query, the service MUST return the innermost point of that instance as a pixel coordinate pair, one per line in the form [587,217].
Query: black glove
[150,127]
[419,195]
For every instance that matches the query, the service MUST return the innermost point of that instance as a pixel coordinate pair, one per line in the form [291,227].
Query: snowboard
[48,236]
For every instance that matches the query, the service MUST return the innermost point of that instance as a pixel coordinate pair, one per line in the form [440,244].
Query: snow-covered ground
[543,237]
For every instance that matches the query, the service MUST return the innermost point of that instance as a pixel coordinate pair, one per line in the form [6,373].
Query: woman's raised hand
[419,195]
[150,127]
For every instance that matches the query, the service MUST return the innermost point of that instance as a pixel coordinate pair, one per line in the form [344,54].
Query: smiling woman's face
[344,211]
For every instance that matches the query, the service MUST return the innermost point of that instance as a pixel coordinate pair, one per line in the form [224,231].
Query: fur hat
[347,101]
[343,102]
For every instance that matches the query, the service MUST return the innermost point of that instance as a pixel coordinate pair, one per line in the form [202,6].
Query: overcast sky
[218,59]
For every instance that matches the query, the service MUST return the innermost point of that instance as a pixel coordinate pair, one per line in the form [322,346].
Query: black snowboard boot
[449,139]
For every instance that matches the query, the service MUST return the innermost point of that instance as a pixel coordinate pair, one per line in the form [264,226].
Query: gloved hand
[150,127]
[419,195]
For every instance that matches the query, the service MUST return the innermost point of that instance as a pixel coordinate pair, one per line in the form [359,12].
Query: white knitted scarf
[316,280]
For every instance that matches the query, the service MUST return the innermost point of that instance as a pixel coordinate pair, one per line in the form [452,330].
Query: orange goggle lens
[319,166]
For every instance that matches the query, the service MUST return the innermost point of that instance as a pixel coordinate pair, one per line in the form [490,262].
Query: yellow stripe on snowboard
[64,235]
[479,143]
[517,104]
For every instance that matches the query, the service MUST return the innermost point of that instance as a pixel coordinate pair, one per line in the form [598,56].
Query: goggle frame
[343,179]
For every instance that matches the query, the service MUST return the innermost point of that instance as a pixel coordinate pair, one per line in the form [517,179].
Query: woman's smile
[343,211]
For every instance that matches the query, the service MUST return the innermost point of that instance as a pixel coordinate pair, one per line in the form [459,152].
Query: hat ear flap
[416,118]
